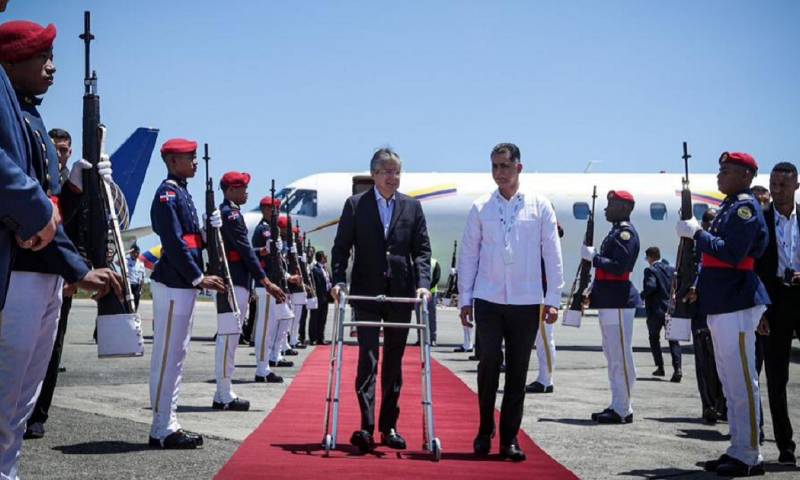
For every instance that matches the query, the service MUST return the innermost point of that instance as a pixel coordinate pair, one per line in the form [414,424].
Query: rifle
[217,260]
[579,293]
[292,259]
[685,265]
[452,279]
[310,291]
[275,272]
[100,237]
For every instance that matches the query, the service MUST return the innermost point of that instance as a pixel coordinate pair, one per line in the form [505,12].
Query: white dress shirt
[135,270]
[502,249]
[385,209]
[788,239]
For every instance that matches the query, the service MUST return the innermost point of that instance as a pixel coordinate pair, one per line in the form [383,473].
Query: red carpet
[288,443]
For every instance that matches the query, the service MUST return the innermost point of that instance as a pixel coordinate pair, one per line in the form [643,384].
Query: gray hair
[382,156]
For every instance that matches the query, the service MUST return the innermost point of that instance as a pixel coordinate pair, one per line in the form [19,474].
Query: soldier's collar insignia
[625,235]
[744,213]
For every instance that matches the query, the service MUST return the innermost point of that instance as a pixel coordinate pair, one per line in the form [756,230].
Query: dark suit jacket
[319,284]
[767,264]
[656,288]
[396,265]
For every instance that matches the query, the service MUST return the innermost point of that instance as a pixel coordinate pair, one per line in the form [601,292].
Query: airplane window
[699,209]
[580,210]
[301,202]
[658,211]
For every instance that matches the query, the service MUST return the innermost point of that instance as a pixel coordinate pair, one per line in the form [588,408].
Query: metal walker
[430,442]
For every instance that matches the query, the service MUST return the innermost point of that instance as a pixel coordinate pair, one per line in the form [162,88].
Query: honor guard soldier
[296,291]
[244,267]
[616,299]
[731,295]
[175,283]
[298,294]
[29,327]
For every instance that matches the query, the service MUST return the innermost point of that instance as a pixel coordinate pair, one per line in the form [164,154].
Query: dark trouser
[394,344]
[784,325]
[654,325]
[316,328]
[517,326]
[250,321]
[303,317]
[42,407]
[708,382]
[136,289]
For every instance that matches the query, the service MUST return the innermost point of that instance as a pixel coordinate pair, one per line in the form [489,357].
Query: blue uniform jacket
[656,288]
[24,208]
[242,260]
[617,257]
[174,220]
[60,257]
[737,234]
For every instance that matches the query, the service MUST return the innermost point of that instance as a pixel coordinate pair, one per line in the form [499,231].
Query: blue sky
[284,89]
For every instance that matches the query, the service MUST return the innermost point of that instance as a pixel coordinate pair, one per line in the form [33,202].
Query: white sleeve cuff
[197,280]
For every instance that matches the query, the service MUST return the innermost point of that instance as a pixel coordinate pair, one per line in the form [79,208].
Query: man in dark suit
[778,269]
[322,285]
[391,257]
[655,293]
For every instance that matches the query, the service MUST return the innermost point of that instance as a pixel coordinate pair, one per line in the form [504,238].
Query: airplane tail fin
[131,161]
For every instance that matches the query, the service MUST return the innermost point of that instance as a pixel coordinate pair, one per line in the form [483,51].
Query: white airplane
[317,201]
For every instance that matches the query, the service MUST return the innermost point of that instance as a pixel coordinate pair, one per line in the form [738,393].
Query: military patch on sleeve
[625,235]
[744,213]
[233,215]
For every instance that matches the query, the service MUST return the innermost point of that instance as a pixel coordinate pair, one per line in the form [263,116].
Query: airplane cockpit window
[658,211]
[698,209]
[300,201]
[581,210]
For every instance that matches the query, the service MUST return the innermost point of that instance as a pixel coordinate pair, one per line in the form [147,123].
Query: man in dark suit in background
[655,293]
[322,285]
[779,270]
[391,257]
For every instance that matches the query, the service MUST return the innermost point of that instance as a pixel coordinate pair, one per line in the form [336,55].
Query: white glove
[76,173]
[215,220]
[687,228]
[279,244]
[587,253]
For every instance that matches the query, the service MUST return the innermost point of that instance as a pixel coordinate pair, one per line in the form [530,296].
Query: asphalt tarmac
[99,421]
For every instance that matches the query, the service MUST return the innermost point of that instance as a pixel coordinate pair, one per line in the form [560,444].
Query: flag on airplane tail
[150,257]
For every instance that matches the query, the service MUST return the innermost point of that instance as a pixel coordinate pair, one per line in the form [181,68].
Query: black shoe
[736,468]
[271,378]
[710,416]
[290,353]
[659,372]
[62,369]
[597,414]
[251,343]
[472,357]
[787,458]
[235,405]
[482,445]
[537,387]
[712,465]
[393,440]
[512,452]
[301,345]
[676,377]
[243,341]
[461,349]
[325,342]
[34,430]
[281,363]
[363,440]
[179,440]
[614,417]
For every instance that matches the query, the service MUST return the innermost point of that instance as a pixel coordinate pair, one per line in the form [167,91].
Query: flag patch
[167,196]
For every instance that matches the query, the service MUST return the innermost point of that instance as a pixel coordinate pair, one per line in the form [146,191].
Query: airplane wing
[130,163]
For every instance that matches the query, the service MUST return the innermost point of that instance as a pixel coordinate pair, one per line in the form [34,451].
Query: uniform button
[388,253]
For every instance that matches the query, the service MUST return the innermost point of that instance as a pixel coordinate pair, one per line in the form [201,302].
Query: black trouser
[708,383]
[394,344]
[42,407]
[136,289]
[316,328]
[303,317]
[784,326]
[250,321]
[654,325]
[517,326]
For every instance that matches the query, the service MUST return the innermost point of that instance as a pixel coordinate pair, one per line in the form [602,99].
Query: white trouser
[467,345]
[616,325]
[225,354]
[28,325]
[733,335]
[268,322]
[546,353]
[173,312]
[298,302]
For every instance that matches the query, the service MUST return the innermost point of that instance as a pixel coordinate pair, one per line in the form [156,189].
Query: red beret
[621,195]
[296,230]
[179,145]
[743,159]
[21,40]
[270,202]
[283,221]
[235,179]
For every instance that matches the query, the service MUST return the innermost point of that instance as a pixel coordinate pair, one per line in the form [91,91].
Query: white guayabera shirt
[502,249]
